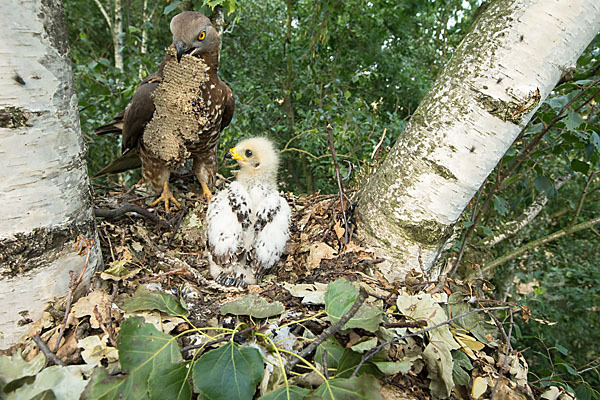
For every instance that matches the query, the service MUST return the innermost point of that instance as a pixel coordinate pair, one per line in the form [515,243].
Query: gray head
[193,34]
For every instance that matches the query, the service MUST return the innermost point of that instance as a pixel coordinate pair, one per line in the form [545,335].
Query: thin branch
[522,157]
[377,349]
[330,330]
[511,228]
[105,14]
[339,182]
[506,353]
[80,246]
[50,356]
[546,239]
[127,208]
[582,198]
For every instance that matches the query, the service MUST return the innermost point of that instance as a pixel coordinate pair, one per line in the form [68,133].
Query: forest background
[363,67]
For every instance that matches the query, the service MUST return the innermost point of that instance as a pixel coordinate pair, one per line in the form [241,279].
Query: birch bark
[44,190]
[513,56]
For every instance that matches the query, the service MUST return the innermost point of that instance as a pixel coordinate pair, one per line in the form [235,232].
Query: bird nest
[180,110]
[151,256]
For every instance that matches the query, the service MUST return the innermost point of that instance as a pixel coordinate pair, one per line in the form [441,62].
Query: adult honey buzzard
[178,112]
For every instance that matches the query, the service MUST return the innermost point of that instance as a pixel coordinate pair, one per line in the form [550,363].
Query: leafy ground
[154,325]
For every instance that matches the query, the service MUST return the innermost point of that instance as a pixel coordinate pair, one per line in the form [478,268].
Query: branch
[339,182]
[582,198]
[377,349]
[105,14]
[511,228]
[127,208]
[546,239]
[330,331]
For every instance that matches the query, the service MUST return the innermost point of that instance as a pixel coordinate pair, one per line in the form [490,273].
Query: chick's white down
[248,222]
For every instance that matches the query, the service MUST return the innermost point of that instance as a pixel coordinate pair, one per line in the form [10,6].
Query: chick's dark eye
[248,153]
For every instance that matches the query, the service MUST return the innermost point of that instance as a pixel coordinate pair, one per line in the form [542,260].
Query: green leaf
[580,166]
[230,372]
[340,297]
[254,306]
[556,103]
[14,367]
[393,367]
[573,120]
[440,365]
[65,383]
[500,205]
[170,382]
[347,94]
[595,141]
[286,393]
[174,4]
[467,224]
[462,365]
[143,349]
[350,360]
[561,349]
[365,344]
[542,184]
[334,352]
[360,387]
[145,299]
[583,393]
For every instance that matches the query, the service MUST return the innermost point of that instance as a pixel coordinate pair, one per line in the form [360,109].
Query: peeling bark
[513,56]
[45,195]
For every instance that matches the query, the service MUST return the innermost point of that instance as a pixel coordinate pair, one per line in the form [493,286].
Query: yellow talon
[206,193]
[166,196]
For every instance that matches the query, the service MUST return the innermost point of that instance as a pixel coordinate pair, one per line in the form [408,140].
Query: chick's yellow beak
[235,155]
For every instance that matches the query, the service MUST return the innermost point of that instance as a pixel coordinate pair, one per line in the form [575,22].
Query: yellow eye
[202,35]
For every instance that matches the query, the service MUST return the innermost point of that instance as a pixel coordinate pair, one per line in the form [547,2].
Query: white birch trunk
[144,44]
[44,190]
[118,35]
[502,71]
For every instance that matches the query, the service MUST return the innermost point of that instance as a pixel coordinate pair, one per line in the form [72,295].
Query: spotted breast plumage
[177,113]
[248,221]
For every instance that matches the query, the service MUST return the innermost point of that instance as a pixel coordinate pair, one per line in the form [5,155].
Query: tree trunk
[502,71]
[45,197]
[117,35]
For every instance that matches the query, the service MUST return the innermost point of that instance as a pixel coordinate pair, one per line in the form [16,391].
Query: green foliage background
[363,67]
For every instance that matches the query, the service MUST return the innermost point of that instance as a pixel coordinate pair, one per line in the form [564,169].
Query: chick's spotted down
[248,221]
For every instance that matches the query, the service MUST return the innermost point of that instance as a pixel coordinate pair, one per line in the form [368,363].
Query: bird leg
[206,193]
[166,196]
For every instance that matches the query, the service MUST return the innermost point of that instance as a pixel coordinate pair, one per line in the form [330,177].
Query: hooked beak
[181,48]
[232,153]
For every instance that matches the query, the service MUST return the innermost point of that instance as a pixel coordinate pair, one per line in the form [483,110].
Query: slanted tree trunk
[44,191]
[116,30]
[513,56]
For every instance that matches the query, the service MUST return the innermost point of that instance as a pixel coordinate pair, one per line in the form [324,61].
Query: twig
[378,144]
[330,330]
[377,349]
[519,160]
[127,208]
[177,225]
[406,324]
[339,182]
[506,353]
[543,240]
[50,356]
[81,244]
[582,198]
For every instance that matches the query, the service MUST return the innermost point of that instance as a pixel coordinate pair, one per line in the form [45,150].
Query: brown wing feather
[229,108]
[138,114]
